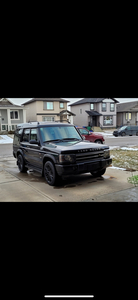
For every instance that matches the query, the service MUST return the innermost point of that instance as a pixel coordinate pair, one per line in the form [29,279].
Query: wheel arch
[19,152]
[46,158]
[98,140]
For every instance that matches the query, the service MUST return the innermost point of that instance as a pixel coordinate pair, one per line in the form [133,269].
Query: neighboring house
[10,115]
[92,112]
[127,113]
[48,109]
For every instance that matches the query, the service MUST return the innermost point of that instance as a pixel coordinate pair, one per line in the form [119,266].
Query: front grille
[89,156]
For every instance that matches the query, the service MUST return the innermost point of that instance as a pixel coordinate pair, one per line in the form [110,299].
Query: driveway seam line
[46,196]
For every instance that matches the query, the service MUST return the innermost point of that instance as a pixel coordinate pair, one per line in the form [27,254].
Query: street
[6,149]
[122,141]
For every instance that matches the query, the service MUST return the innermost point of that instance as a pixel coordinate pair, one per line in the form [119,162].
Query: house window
[48,105]
[61,105]
[49,119]
[103,106]
[14,114]
[92,106]
[112,107]
[128,116]
[4,127]
[108,120]
[80,110]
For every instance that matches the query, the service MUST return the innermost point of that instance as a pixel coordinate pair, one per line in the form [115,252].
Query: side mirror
[83,137]
[34,142]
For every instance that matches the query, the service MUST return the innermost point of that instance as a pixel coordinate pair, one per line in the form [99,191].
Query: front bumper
[84,167]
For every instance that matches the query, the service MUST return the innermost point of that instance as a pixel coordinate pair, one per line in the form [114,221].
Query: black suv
[56,149]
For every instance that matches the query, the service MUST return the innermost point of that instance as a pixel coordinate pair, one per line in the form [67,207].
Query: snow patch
[130,149]
[4,139]
[118,168]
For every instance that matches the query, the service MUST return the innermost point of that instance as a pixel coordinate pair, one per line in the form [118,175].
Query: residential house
[11,114]
[48,109]
[100,112]
[127,113]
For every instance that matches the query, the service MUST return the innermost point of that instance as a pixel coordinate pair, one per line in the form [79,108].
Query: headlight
[67,158]
[106,153]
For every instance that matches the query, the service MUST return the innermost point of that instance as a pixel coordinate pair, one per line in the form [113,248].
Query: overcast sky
[22,100]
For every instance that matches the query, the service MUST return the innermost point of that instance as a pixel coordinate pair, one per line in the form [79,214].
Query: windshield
[59,133]
[122,128]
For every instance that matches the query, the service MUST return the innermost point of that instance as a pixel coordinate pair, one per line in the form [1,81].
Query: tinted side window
[128,128]
[34,135]
[83,131]
[17,135]
[26,135]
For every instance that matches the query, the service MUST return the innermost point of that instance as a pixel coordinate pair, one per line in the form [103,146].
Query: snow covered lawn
[4,139]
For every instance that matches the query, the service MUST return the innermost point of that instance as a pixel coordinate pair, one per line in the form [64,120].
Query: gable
[5,102]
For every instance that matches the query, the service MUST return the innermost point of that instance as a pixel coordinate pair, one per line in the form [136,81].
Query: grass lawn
[127,159]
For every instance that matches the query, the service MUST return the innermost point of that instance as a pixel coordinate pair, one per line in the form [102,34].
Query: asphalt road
[122,141]
[6,149]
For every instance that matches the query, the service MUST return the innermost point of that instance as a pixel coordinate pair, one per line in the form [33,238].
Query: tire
[123,134]
[98,174]
[21,165]
[50,173]
[98,142]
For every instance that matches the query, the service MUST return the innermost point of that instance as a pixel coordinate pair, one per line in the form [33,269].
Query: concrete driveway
[31,187]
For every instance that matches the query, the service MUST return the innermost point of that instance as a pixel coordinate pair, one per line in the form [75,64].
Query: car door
[85,133]
[34,149]
[25,144]
[129,130]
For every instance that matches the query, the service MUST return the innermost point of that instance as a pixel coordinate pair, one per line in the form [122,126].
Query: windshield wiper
[58,140]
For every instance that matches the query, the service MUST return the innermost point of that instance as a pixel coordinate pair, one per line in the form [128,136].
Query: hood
[62,147]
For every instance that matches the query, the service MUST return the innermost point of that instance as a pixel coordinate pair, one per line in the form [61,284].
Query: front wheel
[99,173]
[50,173]
[98,142]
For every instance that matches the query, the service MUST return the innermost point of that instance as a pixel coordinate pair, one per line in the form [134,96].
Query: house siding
[35,110]
[4,116]
[80,119]
[31,112]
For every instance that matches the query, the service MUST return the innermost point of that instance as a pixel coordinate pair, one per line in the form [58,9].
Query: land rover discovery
[56,149]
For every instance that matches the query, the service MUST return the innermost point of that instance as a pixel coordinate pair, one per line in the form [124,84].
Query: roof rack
[31,122]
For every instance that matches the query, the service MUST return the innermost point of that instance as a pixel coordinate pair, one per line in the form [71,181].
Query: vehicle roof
[39,124]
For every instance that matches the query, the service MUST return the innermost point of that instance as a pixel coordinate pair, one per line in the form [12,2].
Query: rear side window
[34,135]
[17,135]
[26,135]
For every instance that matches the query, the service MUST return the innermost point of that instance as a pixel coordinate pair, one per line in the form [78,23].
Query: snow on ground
[106,134]
[123,148]
[117,168]
[4,139]
[130,149]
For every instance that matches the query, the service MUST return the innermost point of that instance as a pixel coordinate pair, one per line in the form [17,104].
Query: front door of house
[94,121]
